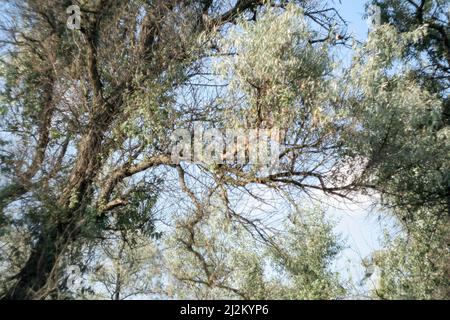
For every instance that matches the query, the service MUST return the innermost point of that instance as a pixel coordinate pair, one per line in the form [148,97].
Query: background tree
[401,80]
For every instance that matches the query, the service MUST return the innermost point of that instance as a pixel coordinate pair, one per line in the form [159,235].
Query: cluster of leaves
[415,265]
[218,260]
[275,81]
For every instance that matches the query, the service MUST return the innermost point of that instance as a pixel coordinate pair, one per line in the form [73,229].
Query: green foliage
[304,258]
[88,116]
[398,124]
[416,265]
[399,131]
[297,265]
[138,215]
[274,81]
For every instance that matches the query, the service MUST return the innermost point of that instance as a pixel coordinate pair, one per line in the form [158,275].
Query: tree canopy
[94,95]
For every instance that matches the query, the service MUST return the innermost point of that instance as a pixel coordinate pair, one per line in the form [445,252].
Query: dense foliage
[92,204]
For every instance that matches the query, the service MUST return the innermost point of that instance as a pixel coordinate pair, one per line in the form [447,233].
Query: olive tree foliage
[399,102]
[422,53]
[305,257]
[398,124]
[87,117]
[217,259]
[415,265]
[432,52]
[276,81]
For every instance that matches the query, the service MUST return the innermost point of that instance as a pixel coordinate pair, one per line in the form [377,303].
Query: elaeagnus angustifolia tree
[399,102]
[91,93]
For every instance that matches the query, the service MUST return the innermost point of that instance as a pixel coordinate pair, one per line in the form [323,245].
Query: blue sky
[352,11]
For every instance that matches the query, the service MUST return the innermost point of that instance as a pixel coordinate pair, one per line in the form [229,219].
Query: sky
[352,11]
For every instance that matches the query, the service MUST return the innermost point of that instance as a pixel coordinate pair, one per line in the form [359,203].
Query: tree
[88,123]
[427,58]
[402,135]
[305,256]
